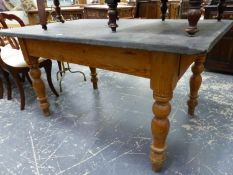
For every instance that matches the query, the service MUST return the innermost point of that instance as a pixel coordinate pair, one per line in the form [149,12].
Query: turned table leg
[164,76]
[112,14]
[221,8]
[195,83]
[58,11]
[194,14]
[163,8]
[94,78]
[38,85]
[42,13]
[159,127]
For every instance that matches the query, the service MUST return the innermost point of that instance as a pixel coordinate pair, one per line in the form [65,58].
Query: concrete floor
[107,131]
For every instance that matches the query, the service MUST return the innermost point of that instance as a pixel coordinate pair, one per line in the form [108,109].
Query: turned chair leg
[195,83]
[48,70]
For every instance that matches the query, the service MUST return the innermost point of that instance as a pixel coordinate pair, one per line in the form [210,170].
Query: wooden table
[101,11]
[160,51]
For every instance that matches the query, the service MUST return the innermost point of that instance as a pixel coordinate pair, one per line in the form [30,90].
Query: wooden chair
[12,61]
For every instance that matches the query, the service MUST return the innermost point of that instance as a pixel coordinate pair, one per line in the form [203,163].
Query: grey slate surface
[146,34]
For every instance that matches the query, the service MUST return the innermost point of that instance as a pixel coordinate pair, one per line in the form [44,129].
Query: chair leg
[48,69]
[59,67]
[8,84]
[1,84]
[1,89]
[28,78]
[21,90]
[22,77]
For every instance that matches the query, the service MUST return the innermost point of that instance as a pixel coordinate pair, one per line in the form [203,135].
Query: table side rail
[130,61]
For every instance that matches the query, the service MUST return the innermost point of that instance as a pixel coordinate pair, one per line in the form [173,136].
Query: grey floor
[107,131]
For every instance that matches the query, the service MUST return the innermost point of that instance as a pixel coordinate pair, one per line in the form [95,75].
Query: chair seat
[14,57]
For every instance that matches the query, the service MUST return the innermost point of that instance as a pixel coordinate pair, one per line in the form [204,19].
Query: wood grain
[109,58]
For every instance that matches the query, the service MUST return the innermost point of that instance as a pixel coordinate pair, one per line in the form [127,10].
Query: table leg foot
[46,112]
[94,78]
[195,83]
[160,127]
[157,158]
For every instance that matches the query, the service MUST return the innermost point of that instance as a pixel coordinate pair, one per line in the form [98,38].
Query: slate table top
[146,34]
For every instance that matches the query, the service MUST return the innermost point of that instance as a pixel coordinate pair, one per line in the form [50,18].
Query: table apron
[124,60]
